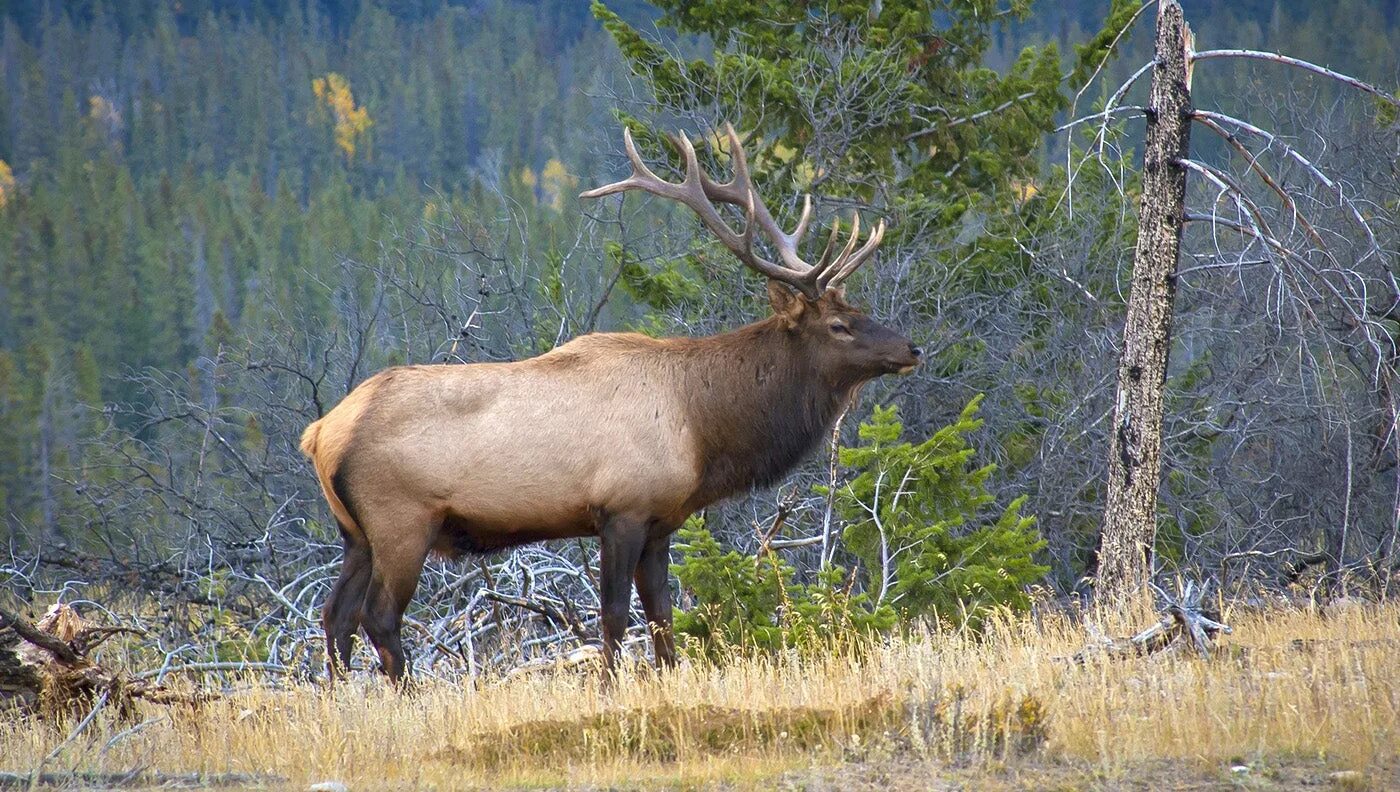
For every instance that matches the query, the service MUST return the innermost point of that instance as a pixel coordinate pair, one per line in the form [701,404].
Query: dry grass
[999,703]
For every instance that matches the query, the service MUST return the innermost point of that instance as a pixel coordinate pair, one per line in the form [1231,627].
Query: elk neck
[759,403]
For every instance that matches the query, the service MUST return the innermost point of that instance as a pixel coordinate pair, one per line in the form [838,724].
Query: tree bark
[1135,461]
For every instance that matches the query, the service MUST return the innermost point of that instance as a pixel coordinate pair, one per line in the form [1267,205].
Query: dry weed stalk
[1004,697]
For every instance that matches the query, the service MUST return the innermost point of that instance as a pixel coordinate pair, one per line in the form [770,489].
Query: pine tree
[918,518]
[939,133]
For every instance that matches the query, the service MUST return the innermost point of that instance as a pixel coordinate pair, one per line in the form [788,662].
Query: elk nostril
[915,351]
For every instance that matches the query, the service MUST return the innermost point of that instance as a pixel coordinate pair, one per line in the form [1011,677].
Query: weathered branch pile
[1183,625]
[46,668]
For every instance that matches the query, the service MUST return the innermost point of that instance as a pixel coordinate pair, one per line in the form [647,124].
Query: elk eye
[839,328]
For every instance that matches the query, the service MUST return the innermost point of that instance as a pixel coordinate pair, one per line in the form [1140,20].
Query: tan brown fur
[611,434]
[325,441]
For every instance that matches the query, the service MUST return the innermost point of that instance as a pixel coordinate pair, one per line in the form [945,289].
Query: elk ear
[786,303]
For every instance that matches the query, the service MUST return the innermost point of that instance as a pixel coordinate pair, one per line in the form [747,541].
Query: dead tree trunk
[1135,460]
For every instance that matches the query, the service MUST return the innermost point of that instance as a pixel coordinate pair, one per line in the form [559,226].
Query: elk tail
[330,474]
[309,438]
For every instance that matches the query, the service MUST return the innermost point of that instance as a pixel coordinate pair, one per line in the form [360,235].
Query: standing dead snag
[1135,447]
[1312,276]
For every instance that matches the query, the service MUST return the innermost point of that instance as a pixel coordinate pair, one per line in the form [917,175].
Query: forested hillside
[173,173]
[217,216]
[170,180]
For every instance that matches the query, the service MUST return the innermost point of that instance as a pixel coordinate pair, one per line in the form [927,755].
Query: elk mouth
[903,364]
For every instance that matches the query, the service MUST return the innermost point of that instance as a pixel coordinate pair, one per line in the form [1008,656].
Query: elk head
[843,344]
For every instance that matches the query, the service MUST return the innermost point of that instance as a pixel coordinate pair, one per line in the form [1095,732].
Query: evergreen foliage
[744,604]
[916,517]
[175,179]
[918,525]
[910,55]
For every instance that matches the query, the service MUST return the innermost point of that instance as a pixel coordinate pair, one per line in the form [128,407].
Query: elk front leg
[622,541]
[654,589]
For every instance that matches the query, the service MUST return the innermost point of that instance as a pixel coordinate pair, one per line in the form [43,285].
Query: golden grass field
[1005,711]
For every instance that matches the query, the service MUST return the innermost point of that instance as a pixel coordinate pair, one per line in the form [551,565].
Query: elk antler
[699,192]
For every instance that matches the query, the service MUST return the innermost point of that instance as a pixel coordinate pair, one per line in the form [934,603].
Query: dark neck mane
[757,403]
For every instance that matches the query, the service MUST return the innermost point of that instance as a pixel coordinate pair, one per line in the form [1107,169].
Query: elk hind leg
[341,614]
[392,583]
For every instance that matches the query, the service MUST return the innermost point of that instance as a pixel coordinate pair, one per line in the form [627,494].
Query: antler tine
[738,190]
[695,195]
[756,215]
[749,224]
[857,259]
[640,178]
[692,160]
[801,230]
[831,241]
[699,192]
[830,265]
[689,192]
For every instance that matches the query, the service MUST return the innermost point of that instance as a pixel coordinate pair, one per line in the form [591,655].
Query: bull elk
[613,435]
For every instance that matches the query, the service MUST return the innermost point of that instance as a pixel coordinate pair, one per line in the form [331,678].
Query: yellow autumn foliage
[102,111]
[552,183]
[556,181]
[351,122]
[7,183]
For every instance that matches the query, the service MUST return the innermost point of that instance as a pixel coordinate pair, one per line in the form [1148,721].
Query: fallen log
[20,682]
[45,668]
[1182,625]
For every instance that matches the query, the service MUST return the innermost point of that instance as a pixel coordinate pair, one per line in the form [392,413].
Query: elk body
[613,435]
